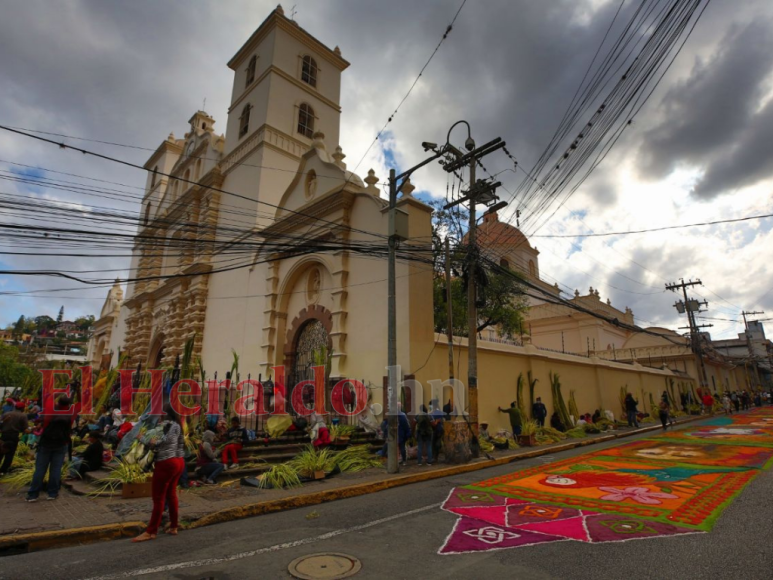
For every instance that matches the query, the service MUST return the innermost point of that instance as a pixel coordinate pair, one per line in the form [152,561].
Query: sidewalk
[74,519]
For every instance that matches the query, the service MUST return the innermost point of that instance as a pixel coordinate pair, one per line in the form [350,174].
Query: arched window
[309,71]
[251,71]
[147,214]
[306,120]
[504,263]
[244,121]
[532,268]
[187,176]
[175,189]
[197,174]
[153,177]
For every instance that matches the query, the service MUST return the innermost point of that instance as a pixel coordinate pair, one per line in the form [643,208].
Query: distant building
[751,350]
[9,337]
[550,325]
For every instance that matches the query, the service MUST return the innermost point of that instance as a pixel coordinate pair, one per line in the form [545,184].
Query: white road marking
[251,553]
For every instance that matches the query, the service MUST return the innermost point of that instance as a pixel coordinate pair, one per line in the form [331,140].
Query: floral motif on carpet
[673,484]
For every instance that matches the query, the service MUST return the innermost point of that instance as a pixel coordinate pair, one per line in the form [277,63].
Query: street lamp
[469,143]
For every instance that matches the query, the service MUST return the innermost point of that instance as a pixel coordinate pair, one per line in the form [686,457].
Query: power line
[183,180]
[421,72]
[658,229]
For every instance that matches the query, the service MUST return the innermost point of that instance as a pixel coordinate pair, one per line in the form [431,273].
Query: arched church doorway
[312,342]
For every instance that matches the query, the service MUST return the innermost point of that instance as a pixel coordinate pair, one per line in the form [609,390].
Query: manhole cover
[324,566]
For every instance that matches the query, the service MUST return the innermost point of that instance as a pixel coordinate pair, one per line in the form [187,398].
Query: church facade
[219,253]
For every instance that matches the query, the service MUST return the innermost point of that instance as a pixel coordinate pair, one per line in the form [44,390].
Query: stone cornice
[277,20]
[165,147]
[186,161]
[341,198]
[167,286]
[212,179]
[161,181]
[415,203]
[265,134]
[288,77]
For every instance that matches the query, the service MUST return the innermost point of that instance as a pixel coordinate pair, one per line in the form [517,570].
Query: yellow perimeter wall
[596,382]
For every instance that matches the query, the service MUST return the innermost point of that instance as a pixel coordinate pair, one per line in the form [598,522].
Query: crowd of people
[51,437]
[427,431]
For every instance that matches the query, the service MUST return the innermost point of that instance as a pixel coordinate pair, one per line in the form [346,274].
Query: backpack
[423,427]
[56,433]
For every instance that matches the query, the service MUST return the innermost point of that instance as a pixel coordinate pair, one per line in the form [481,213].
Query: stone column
[270,318]
[340,294]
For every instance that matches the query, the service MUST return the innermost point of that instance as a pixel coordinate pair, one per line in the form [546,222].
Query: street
[397,534]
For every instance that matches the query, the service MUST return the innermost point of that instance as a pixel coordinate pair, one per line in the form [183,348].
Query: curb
[33,542]
[231,514]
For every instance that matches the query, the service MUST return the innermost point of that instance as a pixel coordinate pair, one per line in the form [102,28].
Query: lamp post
[483,192]
[396,233]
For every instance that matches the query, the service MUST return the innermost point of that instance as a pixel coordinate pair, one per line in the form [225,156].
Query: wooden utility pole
[479,192]
[392,418]
[472,310]
[690,307]
[449,312]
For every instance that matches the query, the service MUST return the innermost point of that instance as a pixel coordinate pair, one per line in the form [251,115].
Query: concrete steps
[255,457]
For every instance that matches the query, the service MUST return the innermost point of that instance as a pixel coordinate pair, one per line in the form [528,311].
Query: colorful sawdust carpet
[670,484]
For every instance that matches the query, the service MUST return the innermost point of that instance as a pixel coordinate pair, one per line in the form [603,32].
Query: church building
[219,255]
[246,246]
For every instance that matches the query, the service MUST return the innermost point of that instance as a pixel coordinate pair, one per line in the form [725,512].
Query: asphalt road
[396,534]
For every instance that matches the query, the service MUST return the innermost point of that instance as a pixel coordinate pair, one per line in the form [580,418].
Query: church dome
[493,233]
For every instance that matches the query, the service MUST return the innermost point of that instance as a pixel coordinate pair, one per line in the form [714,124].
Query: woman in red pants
[169,466]
[236,437]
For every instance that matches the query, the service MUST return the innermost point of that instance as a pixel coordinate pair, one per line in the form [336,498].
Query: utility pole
[392,461]
[480,191]
[472,311]
[449,312]
[690,306]
[752,356]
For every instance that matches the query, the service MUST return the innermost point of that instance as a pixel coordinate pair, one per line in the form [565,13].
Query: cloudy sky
[700,150]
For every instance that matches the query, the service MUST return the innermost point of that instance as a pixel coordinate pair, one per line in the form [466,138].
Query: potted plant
[279,476]
[342,433]
[134,481]
[312,463]
[528,436]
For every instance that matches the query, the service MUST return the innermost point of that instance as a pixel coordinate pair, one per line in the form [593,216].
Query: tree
[18,328]
[501,302]
[44,323]
[16,371]
[29,325]
[60,316]
[84,322]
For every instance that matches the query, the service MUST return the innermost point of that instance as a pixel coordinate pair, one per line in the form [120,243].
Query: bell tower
[287,86]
